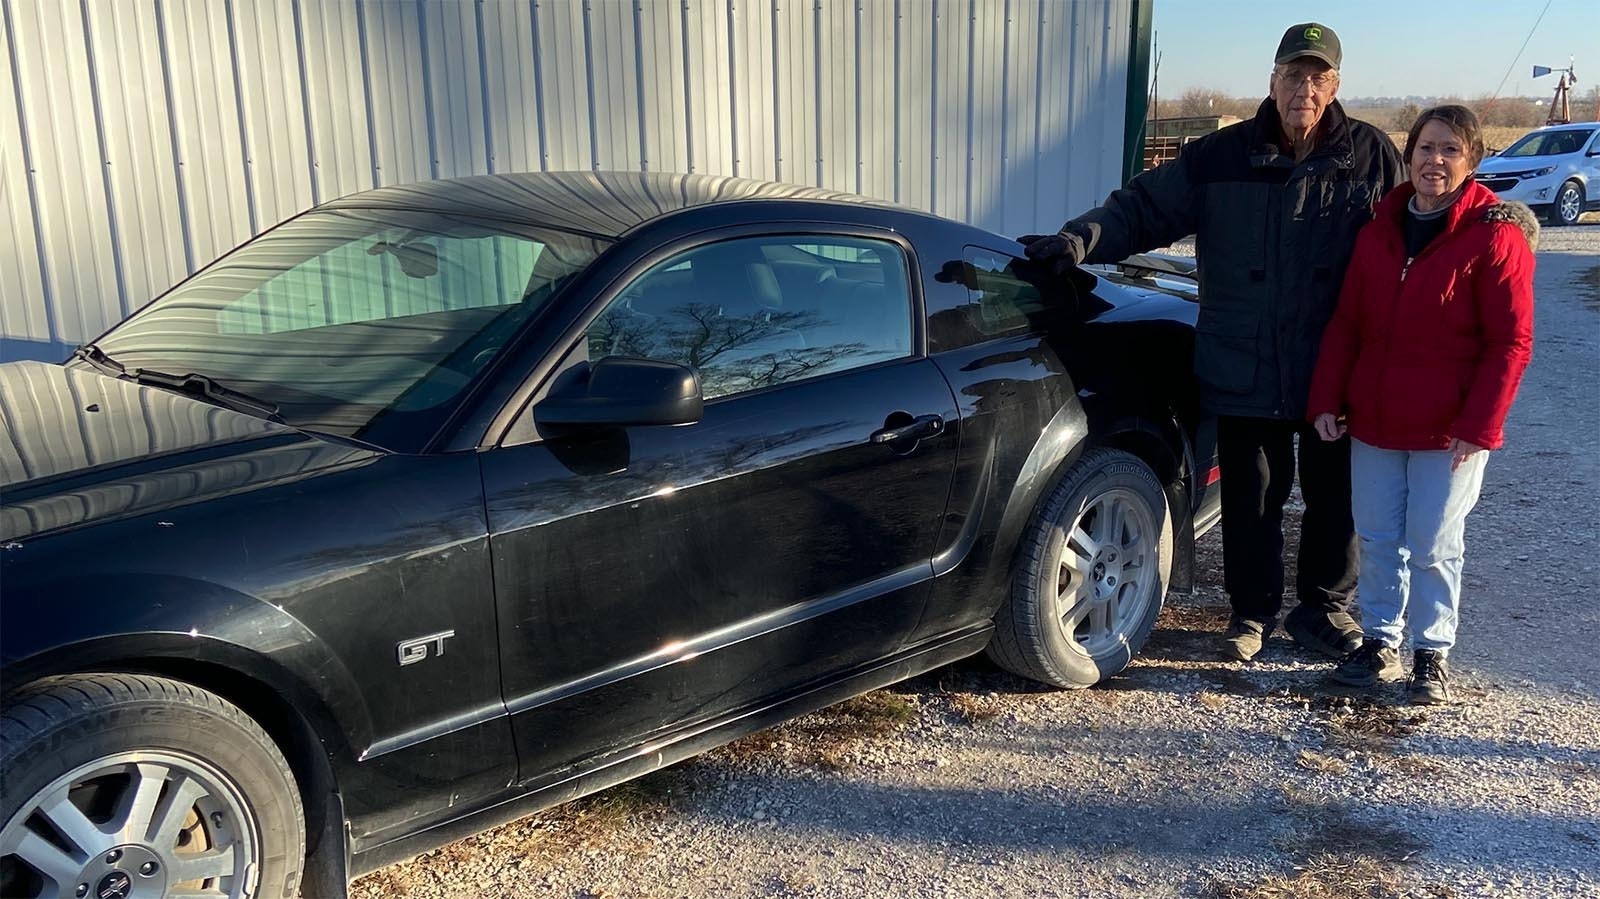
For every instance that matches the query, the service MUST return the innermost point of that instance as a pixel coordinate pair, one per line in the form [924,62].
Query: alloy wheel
[1108,575]
[136,825]
[1569,204]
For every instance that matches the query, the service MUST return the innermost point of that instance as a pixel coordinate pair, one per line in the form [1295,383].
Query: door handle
[920,427]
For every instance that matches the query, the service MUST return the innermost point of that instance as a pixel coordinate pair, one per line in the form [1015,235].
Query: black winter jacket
[1272,239]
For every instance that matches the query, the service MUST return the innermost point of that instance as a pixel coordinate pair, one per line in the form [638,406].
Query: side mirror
[620,392]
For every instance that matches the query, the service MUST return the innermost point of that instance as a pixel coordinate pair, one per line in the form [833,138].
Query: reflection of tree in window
[733,353]
[754,313]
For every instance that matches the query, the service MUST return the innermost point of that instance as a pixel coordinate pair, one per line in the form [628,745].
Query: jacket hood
[1476,203]
[1519,214]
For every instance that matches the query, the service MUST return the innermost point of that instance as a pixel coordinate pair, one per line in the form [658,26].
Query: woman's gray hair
[1461,121]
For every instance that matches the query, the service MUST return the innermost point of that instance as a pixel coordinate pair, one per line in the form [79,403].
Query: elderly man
[1274,203]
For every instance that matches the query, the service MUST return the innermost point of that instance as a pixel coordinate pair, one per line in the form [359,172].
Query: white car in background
[1555,170]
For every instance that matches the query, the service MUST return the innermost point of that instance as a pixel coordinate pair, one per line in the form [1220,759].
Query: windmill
[1560,112]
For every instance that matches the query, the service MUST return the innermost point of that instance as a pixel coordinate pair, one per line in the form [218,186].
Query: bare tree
[1406,116]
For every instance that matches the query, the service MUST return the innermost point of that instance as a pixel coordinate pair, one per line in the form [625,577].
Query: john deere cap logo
[1313,34]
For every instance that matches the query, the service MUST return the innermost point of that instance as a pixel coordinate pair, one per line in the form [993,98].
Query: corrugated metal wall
[140,139]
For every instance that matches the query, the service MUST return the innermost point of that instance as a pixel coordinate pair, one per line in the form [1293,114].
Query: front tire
[137,786]
[1568,206]
[1091,576]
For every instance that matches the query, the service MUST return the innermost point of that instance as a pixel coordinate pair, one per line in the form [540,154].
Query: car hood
[77,446]
[1498,165]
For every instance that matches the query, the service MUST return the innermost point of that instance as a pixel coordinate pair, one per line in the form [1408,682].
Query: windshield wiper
[98,358]
[206,386]
[201,385]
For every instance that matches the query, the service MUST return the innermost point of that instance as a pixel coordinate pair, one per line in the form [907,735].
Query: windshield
[1549,143]
[364,323]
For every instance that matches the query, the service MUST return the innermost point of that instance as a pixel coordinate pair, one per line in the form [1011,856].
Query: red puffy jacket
[1423,350]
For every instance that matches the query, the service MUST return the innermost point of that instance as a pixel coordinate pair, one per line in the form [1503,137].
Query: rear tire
[122,782]
[1091,575]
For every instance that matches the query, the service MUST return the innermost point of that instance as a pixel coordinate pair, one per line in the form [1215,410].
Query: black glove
[1065,250]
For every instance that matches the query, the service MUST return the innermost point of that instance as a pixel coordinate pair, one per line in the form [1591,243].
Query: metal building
[140,139]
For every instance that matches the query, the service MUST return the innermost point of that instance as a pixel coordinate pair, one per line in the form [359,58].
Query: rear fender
[1158,440]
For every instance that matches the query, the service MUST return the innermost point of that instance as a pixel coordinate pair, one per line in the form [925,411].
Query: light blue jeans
[1411,514]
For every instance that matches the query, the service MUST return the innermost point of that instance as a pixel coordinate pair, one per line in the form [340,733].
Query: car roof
[604,204]
[1570,126]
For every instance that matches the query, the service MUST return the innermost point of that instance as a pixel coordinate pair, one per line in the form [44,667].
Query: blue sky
[1391,47]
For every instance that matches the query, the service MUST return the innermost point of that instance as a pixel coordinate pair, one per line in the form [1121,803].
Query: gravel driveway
[1185,776]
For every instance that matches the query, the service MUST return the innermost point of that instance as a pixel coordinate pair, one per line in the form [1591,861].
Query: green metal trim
[1140,29]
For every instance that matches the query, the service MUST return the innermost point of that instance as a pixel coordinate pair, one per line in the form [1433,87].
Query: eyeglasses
[1448,151]
[1319,80]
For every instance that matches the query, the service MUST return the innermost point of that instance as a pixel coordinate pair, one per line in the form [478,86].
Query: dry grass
[824,739]
[1576,771]
[1415,766]
[972,708]
[1335,855]
[1361,723]
[608,810]
[1211,700]
[1495,137]
[792,883]
[1322,764]
[1499,137]
[553,834]
[1186,633]
[1329,876]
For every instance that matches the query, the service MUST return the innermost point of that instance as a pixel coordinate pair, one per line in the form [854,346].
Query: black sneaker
[1243,639]
[1369,666]
[1333,634]
[1430,678]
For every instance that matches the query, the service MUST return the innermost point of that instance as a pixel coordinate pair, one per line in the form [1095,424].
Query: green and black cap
[1309,39]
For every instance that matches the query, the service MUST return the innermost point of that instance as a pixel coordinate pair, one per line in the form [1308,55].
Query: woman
[1421,360]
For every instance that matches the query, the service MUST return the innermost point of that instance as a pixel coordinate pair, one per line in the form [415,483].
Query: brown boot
[1333,634]
[1243,639]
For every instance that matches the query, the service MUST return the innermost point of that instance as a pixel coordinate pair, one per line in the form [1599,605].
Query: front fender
[83,624]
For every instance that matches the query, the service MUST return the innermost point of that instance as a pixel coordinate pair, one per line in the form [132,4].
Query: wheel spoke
[1130,573]
[1099,618]
[44,857]
[1080,540]
[132,820]
[173,810]
[1074,572]
[74,824]
[1068,597]
[1074,605]
[216,863]
[1127,593]
[1115,515]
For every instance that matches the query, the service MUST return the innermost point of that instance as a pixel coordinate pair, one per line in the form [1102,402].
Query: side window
[756,312]
[1004,302]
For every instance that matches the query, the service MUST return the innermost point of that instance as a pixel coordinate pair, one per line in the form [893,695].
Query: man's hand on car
[1062,251]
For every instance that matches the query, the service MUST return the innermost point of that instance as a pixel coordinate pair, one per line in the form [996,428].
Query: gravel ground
[1185,776]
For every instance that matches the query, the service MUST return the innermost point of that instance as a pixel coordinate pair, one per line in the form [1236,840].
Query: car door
[1591,164]
[654,580]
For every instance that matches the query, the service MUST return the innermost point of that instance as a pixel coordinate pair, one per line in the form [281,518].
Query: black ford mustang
[438,504]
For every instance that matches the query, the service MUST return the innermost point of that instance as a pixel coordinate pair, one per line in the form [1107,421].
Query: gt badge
[415,650]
